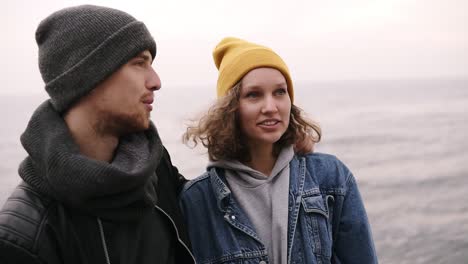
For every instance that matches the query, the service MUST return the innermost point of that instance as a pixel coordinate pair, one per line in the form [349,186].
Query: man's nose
[153,82]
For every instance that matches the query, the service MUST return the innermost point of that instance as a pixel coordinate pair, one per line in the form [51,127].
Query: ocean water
[405,142]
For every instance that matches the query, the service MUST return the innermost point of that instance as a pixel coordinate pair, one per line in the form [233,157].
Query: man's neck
[92,143]
[262,158]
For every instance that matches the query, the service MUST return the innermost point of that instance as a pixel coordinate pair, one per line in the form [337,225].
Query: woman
[259,202]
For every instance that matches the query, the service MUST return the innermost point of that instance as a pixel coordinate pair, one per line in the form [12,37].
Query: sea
[404,140]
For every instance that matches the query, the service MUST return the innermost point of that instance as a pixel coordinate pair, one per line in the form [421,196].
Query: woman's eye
[252,95]
[281,91]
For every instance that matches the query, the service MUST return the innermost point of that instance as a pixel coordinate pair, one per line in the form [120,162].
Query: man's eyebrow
[144,56]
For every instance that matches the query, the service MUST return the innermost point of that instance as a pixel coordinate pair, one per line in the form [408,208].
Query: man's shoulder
[23,216]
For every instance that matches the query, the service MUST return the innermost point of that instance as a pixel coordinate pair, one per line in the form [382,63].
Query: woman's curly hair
[219,130]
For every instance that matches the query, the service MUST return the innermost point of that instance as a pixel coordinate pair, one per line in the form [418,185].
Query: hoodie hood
[250,177]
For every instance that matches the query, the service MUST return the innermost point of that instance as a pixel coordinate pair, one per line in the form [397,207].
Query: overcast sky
[319,40]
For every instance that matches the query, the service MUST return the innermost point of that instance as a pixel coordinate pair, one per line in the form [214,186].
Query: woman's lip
[262,123]
[270,128]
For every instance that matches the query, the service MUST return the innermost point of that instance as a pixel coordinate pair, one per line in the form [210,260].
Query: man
[98,185]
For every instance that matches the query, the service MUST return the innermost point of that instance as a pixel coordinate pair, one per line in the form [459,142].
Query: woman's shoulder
[321,156]
[329,170]
[195,185]
[325,160]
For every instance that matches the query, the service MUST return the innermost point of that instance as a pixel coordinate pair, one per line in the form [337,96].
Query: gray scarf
[119,190]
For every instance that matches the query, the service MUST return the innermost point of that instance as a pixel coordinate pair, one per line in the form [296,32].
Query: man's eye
[140,62]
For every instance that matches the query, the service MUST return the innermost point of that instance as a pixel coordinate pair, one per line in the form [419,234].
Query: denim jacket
[327,222]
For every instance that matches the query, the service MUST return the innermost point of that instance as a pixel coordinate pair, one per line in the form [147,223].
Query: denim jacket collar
[220,189]
[232,213]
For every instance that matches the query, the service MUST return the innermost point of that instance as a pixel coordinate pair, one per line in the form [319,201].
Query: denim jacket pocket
[317,225]
[315,204]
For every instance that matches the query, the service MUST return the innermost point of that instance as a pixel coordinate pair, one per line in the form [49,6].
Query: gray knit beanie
[81,46]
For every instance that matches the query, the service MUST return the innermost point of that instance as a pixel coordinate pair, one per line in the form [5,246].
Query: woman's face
[264,106]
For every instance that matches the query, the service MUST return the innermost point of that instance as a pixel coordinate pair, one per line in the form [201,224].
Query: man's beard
[121,124]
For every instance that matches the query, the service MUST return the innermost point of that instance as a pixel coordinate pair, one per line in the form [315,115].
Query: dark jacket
[35,228]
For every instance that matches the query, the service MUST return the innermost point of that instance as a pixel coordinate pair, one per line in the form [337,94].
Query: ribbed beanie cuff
[235,57]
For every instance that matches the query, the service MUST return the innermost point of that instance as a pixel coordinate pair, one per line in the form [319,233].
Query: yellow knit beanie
[235,57]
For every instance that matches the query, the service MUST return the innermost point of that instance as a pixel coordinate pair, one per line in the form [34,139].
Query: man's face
[122,102]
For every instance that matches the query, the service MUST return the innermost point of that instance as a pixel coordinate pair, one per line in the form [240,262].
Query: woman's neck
[262,158]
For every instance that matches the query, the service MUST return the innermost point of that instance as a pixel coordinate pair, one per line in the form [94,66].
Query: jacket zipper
[177,232]
[103,240]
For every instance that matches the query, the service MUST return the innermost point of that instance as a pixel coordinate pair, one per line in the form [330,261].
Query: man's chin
[138,127]
[147,125]
[125,124]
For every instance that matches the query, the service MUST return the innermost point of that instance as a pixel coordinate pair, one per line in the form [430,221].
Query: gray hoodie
[264,199]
